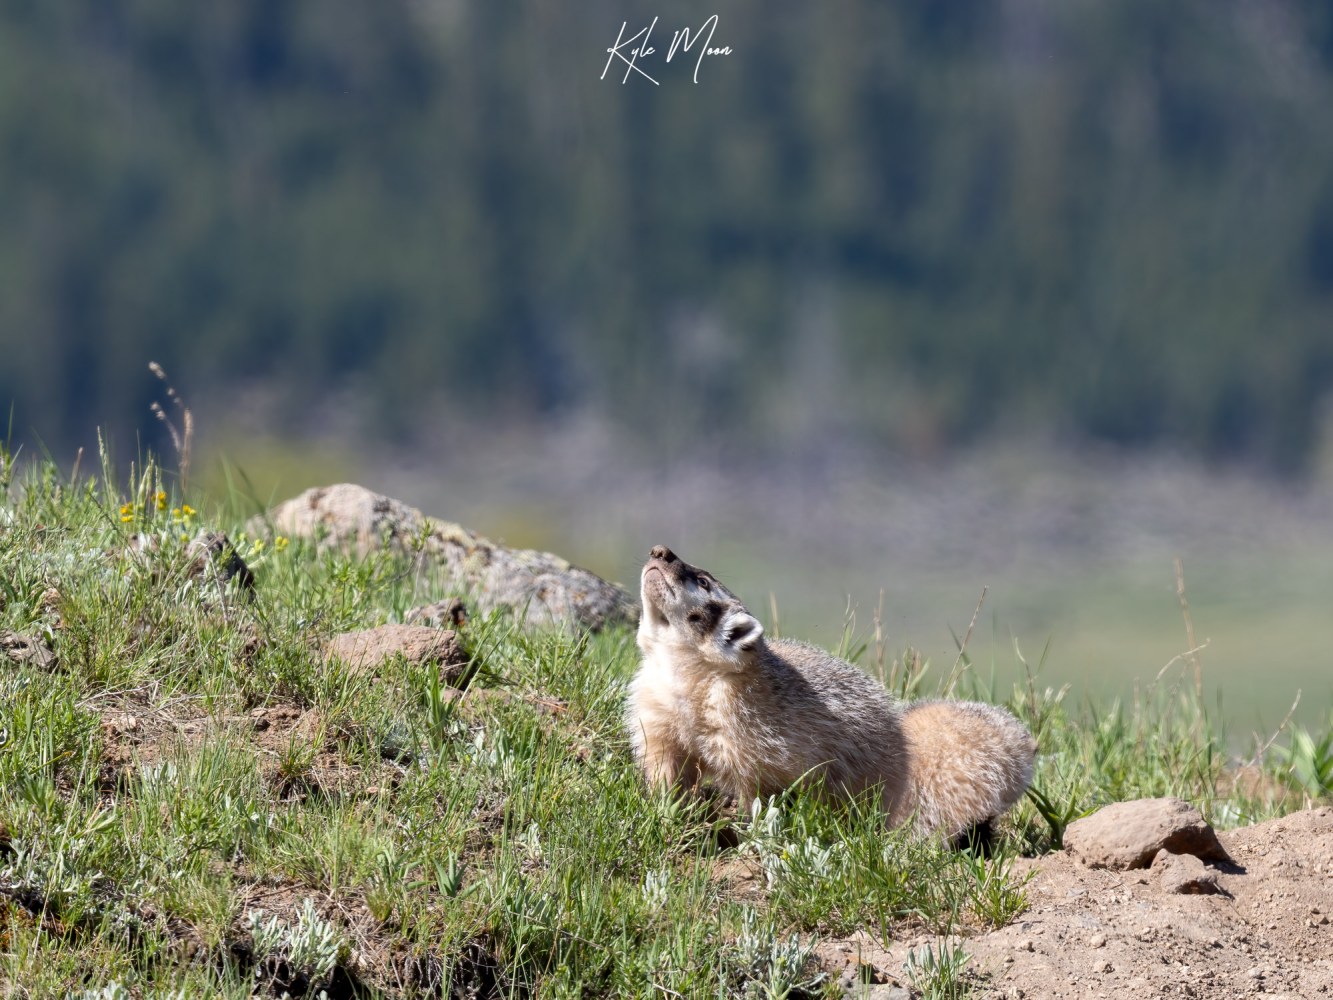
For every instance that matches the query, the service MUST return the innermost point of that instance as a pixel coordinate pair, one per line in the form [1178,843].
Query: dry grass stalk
[181,437]
[962,647]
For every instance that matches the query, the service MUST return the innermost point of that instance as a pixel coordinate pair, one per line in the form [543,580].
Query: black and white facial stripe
[728,623]
[740,630]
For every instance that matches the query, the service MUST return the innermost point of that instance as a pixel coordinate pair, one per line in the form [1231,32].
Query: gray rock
[541,588]
[212,556]
[368,649]
[1185,874]
[31,649]
[1127,835]
[345,516]
[862,981]
[875,991]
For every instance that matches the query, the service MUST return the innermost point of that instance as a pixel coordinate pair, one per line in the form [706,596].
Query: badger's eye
[703,582]
[695,617]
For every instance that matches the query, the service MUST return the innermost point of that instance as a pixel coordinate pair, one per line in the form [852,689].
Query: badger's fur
[715,700]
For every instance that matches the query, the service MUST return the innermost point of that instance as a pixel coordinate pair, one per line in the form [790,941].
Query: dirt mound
[1101,933]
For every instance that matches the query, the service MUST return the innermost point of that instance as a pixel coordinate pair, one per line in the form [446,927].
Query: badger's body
[715,701]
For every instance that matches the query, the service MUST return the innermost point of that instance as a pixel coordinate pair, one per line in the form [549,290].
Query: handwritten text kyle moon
[630,50]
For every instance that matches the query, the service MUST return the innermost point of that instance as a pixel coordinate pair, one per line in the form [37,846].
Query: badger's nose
[663,553]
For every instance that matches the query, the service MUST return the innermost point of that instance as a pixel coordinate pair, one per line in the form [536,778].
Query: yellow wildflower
[161,499]
[280,543]
[188,511]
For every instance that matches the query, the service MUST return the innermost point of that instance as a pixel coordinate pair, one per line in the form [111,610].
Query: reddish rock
[368,649]
[1129,834]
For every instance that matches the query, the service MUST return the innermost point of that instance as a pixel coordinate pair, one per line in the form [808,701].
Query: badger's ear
[740,632]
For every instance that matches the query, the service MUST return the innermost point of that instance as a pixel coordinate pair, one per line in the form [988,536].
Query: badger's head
[685,608]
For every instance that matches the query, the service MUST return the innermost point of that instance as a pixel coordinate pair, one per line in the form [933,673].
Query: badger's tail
[969,763]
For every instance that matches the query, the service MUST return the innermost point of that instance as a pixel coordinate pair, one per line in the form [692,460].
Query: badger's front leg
[664,764]
[665,760]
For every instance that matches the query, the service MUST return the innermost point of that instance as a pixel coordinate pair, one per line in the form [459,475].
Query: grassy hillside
[194,802]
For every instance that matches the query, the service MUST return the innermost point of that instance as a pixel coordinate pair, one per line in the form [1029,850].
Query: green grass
[1111,626]
[192,803]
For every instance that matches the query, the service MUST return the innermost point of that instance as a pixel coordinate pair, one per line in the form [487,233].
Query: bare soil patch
[1099,933]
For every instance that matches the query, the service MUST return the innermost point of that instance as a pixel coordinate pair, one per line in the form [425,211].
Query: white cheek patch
[739,631]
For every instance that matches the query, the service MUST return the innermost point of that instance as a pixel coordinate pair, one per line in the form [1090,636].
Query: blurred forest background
[935,292]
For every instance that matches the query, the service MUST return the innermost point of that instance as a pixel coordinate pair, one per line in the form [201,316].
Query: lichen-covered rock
[368,649]
[1129,834]
[540,588]
[345,516]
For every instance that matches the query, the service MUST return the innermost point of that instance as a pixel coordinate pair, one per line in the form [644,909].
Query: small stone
[1103,967]
[121,723]
[28,649]
[1026,945]
[1184,874]
[862,991]
[1097,941]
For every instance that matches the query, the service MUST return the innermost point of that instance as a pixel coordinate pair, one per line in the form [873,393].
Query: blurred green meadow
[1107,636]
[1092,603]
[1076,557]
